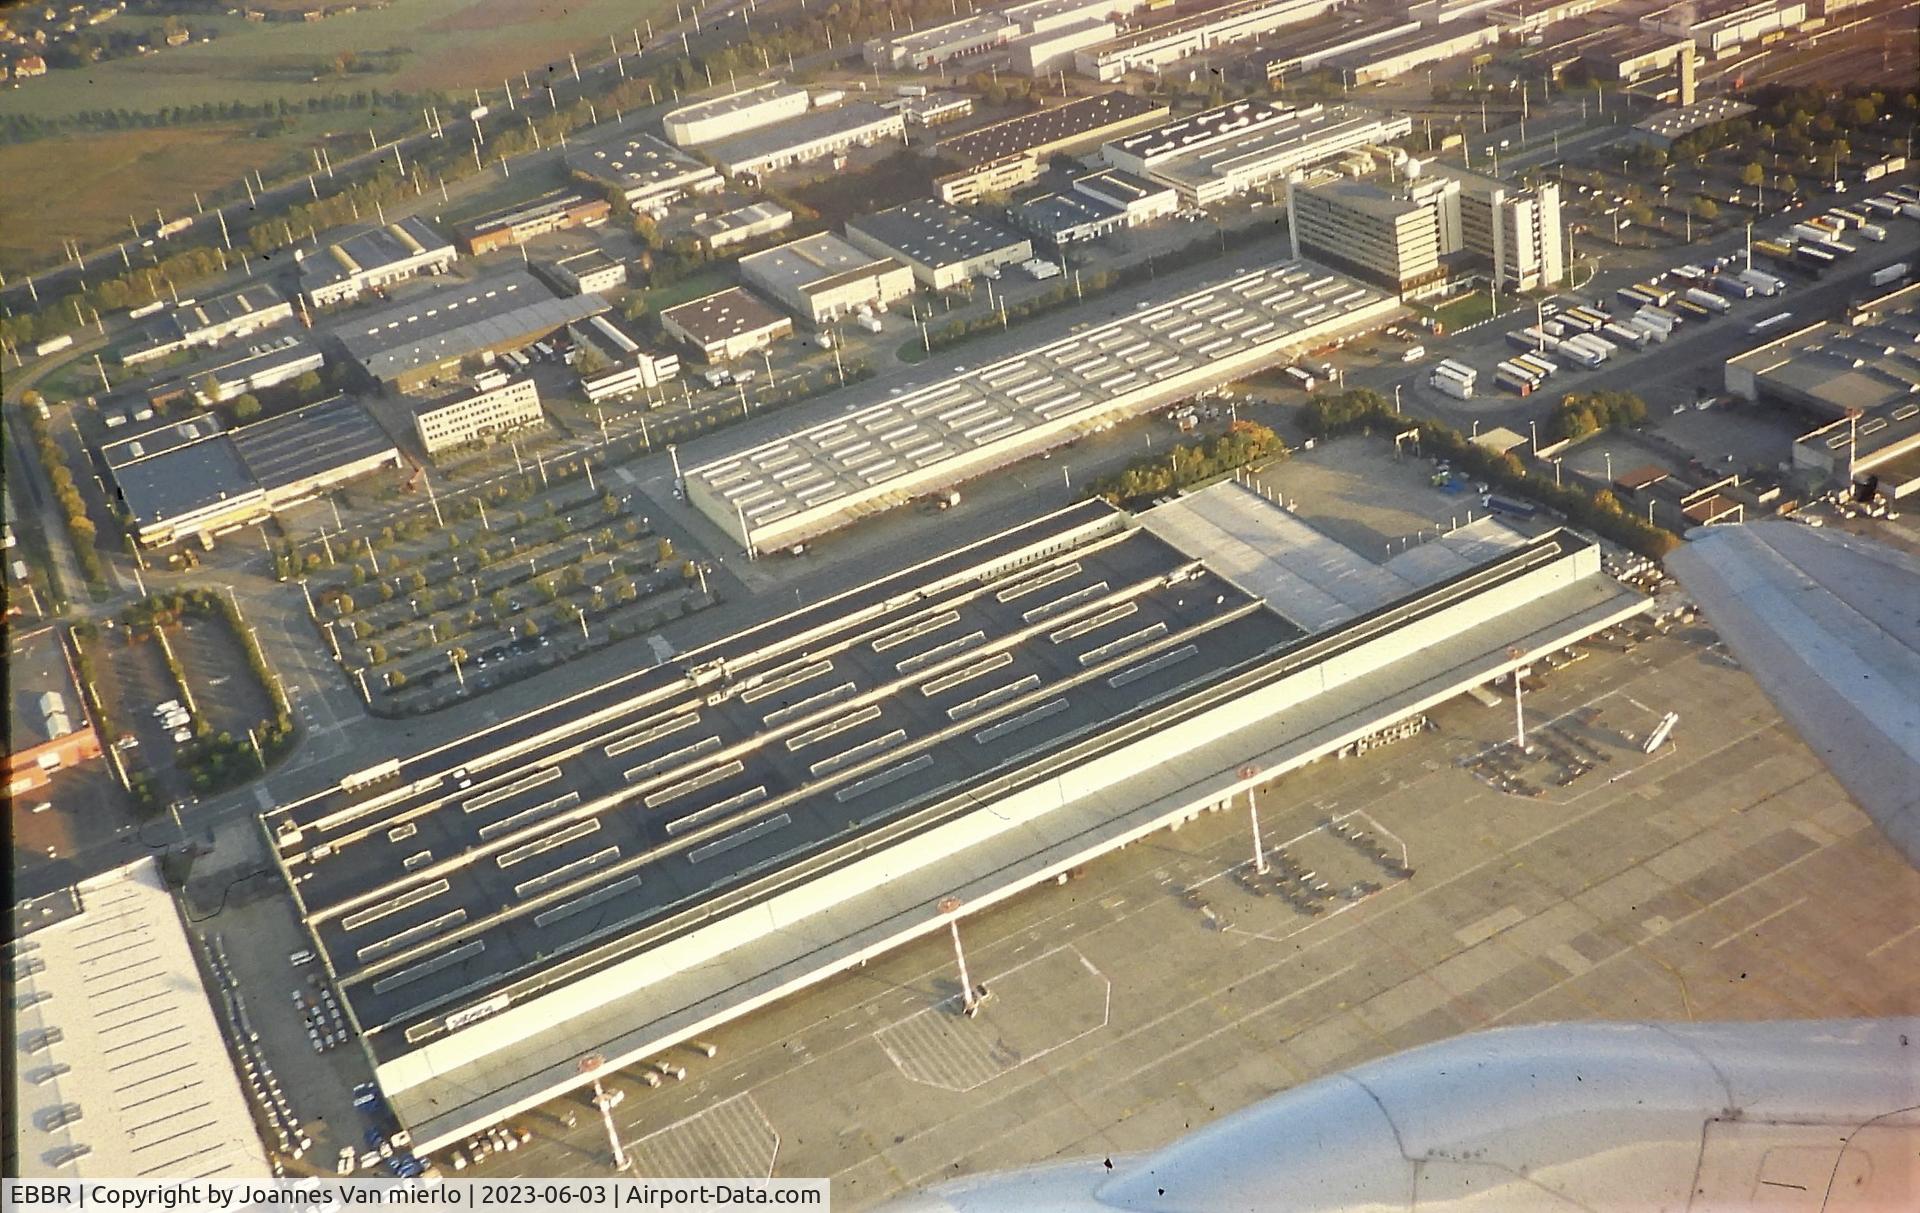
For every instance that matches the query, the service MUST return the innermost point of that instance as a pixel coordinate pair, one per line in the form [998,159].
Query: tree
[1790,183]
[1753,174]
[246,407]
[308,383]
[1862,111]
[1706,208]
[588,360]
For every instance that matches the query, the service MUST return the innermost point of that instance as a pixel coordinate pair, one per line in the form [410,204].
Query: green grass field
[85,186]
[413,46]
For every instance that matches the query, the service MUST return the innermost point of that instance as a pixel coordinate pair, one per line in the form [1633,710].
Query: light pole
[969,1002]
[1253,815]
[606,1101]
[1519,717]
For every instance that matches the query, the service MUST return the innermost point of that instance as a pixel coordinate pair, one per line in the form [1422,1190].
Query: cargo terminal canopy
[626,868]
[878,458]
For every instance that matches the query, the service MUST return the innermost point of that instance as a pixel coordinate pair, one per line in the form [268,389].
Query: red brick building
[48,726]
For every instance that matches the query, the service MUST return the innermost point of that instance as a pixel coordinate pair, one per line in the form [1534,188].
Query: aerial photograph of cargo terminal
[1153,605]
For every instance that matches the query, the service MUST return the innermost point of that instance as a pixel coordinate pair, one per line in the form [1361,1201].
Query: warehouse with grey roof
[634,865]
[942,244]
[877,458]
[423,338]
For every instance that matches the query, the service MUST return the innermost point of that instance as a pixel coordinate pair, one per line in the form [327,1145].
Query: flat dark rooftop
[184,480]
[837,743]
[311,441]
[157,440]
[630,813]
[1042,128]
[935,233]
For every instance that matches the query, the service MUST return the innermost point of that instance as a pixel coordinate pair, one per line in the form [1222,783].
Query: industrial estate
[896,596]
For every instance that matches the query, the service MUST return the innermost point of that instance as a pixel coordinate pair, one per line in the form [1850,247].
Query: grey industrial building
[1401,54]
[877,458]
[1662,129]
[649,173]
[1059,219]
[426,337]
[712,119]
[1155,48]
[1243,145]
[209,322]
[811,136]
[942,244]
[638,863]
[1005,155]
[120,1067]
[588,272]
[726,324]
[187,479]
[742,225]
[266,365]
[371,257]
[821,278]
[1858,382]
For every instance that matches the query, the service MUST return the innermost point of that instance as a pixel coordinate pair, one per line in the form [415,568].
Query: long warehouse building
[817,480]
[635,865]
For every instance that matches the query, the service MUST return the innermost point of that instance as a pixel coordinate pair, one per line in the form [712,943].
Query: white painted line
[1757,923]
[1879,948]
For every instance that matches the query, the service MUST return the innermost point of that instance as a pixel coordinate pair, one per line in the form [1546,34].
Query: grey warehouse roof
[456,320]
[935,233]
[184,480]
[639,161]
[1082,116]
[798,132]
[1051,214]
[311,441]
[724,314]
[1081,374]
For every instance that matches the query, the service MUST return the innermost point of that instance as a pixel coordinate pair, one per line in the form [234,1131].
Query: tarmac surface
[1725,877]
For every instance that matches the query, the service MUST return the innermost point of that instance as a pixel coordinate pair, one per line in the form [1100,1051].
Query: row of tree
[23,128]
[73,506]
[1582,413]
[1245,443]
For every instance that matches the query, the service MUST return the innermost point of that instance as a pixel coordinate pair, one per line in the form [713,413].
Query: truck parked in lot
[1453,379]
[1516,378]
[1538,365]
[1630,337]
[1889,273]
[1708,300]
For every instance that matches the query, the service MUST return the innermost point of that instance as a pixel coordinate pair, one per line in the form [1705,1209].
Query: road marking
[1879,948]
[1757,923]
[1486,928]
[731,1138]
[938,1047]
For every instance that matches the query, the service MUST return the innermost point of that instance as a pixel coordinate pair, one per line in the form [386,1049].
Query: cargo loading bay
[789,490]
[811,790]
